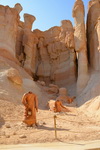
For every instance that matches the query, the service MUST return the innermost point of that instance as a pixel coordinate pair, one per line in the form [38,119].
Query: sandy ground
[91,145]
[72,126]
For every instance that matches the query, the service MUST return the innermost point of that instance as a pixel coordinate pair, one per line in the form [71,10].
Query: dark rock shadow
[2,121]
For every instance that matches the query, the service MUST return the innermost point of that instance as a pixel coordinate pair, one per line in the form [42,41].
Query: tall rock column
[70,44]
[98,34]
[80,45]
[9,18]
[19,46]
[28,42]
[44,65]
[93,34]
[53,48]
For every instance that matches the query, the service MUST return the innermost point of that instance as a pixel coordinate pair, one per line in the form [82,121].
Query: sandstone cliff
[60,63]
[14,80]
[66,56]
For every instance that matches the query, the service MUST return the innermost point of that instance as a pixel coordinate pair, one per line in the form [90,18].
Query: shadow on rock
[2,121]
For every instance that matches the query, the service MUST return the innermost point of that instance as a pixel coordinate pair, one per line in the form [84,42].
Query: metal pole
[55,126]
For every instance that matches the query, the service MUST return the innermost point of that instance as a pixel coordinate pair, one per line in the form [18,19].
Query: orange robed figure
[30,102]
[59,107]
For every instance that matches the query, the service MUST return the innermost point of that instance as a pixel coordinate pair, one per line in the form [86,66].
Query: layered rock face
[9,18]
[57,55]
[48,56]
[93,33]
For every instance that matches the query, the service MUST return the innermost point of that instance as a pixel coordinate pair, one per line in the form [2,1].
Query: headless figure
[30,102]
[59,107]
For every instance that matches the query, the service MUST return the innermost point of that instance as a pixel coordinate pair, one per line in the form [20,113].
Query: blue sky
[48,13]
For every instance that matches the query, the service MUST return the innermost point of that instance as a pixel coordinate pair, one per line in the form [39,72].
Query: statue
[30,102]
[59,107]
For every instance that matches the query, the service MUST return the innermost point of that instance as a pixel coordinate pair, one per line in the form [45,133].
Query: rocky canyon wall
[57,55]
[63,55]
[93,46]
[50,55]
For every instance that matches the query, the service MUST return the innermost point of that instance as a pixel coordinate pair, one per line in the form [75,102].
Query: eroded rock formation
[93,33]
[19,45]
[80,45]
[28,42]
[9,18]
[63,96]
[48,56]
[44,67]
[58,56]
[14,76]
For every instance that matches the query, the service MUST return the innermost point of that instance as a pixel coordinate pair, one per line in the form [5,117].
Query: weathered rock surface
[51,105]
[28,42]
[93,34]
[53,88]
[93,43]
[19,46]
[13,92]
[57,56]
[14,76]
[63,96]
[9,18]
[80,45]
[92,107]
[92,89]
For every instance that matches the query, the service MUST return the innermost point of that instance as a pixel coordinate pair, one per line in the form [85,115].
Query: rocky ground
[72,126]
